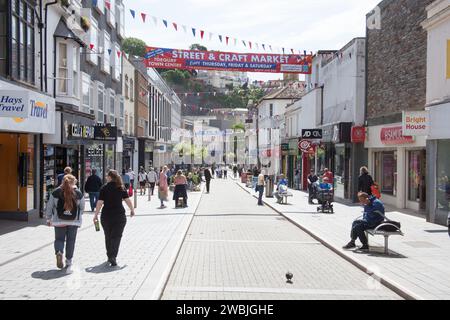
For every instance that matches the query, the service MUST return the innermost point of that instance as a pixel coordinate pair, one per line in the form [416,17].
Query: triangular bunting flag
[264,47]
[165,23]
[175,26]
[193,31]
[202,33]
[143,15]
[235,42]
[292,50]
[118,54]
[270,47]
[220,38]
[91,46]
[109,51]
[244,43]
[108,5]
[257,46]
[227,38]
[283,50]
[185,29]
[155,21]
[133,13]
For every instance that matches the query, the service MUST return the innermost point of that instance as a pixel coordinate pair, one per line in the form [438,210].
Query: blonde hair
[69,193]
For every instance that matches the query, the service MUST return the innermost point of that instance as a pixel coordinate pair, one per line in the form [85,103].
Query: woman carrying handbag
[163,187]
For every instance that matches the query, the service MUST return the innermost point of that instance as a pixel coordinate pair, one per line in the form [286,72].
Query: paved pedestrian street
[149,244]
[233,250]
[237,250]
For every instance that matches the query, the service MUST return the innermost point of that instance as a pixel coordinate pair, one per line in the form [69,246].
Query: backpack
[72,215]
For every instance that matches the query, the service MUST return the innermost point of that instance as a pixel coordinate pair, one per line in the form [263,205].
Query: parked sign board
[227,61]
[416,123]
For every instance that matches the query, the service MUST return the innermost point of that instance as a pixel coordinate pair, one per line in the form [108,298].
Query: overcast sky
[298,24]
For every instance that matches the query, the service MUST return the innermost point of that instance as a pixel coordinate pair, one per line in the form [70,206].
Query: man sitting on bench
[373,217]
[282,189]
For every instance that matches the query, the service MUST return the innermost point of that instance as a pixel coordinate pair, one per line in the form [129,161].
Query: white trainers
[68,263]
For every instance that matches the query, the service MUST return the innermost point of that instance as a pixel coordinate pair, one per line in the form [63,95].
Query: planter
[85,24]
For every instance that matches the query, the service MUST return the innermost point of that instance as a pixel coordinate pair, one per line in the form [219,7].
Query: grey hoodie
[52,214]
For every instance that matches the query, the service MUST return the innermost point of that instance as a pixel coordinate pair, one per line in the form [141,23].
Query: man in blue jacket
[373,217]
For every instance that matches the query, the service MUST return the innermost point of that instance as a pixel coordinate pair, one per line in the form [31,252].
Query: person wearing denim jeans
[260,188]
[92,187]
[66,225]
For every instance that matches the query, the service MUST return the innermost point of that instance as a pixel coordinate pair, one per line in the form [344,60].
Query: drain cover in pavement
[420,244]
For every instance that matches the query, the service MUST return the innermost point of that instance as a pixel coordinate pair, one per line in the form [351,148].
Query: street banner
[227,61]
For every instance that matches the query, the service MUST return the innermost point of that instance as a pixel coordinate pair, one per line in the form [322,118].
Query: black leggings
[113,228]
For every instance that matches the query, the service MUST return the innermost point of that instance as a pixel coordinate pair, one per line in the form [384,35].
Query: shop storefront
[438,172]
[398,165]
[24,116]
[146,153]
[66,148]
[128,152]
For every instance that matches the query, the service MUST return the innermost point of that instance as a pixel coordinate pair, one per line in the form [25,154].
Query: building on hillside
[437,24]
[223,80]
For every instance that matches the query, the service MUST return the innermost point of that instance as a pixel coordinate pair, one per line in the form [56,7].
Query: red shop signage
[358,134]
[394,135]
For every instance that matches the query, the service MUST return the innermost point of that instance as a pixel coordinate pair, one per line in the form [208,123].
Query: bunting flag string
[251,44]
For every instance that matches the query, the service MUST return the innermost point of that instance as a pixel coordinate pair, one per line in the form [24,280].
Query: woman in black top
[113,216]
[365,181]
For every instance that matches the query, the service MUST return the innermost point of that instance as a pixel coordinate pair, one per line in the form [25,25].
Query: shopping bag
[375,190]
[130,191]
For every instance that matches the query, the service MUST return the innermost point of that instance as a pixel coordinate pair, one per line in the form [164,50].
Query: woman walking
[180,188]
[113,216]
[163,187]
[64,211]
[365,181]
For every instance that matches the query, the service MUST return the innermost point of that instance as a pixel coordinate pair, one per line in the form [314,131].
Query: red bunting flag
[118,54]
[202,33]
[91,46]
[292,50]
[143,15]
[227,38]
[175,26]
[108,4]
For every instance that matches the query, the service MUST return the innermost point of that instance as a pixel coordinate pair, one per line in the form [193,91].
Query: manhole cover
[420,244]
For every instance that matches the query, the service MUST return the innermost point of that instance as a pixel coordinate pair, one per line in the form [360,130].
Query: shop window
[443,178]
[30,173]
[22,41]
[386,171]
[416,176]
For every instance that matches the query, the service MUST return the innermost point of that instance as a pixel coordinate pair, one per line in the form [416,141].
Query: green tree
[198,47]
[238,126]
[178,77]
[134,46]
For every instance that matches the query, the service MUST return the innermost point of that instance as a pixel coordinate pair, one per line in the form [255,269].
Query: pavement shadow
[379,253]
[104,268]
[50,274]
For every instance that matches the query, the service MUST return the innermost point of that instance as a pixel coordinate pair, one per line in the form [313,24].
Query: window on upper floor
[126,87]
[22,41]
[92,55]
[68,63]
[111,13]
[86,94]
[131,89]
[99,5]
[63,70]
[112,106]
[120,19]
[100,102]
[107,51]
[4,38]
[116,62]
[121,112]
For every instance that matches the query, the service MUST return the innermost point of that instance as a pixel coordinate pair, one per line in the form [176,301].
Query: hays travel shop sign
[13,104]
[227,61]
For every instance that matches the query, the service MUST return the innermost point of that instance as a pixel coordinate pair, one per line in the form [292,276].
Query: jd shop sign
[312,134]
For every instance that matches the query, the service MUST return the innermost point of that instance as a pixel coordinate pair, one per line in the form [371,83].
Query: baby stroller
[325,197]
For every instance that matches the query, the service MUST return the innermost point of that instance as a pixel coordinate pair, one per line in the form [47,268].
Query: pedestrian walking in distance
[180,191]
[113,218]
[92,187]
[260,187]
[64,212]
[163,187]
[132,175]
[312,179]
[208,178]
[365,181]
[142,178]
[152,178]
[126,180]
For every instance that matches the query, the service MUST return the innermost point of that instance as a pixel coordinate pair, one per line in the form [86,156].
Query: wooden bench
[385,234]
